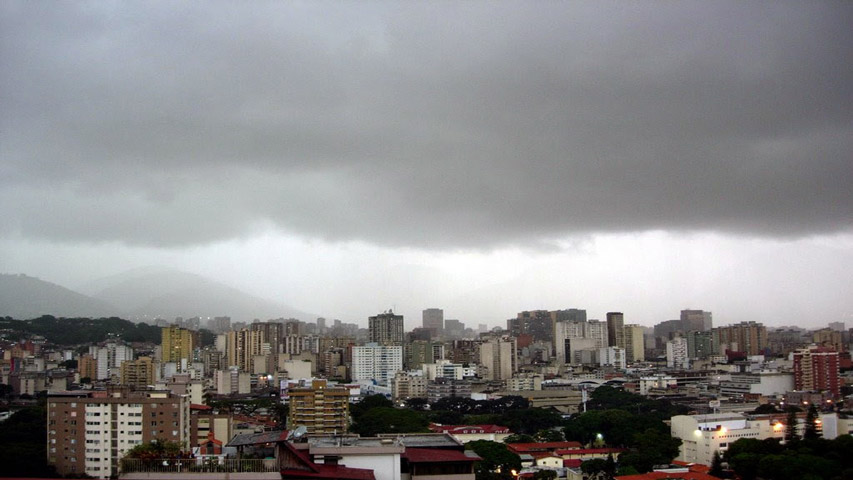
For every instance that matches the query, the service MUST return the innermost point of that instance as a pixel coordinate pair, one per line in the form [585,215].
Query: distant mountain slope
[167,293]
[24,297]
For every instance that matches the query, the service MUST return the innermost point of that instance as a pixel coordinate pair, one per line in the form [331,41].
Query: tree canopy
[495,456]
[389,420]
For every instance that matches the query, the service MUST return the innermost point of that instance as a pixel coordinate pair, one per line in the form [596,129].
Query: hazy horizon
[480,157]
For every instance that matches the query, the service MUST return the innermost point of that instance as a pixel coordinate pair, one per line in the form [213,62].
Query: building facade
[320,408]
[88,433]
[386,328]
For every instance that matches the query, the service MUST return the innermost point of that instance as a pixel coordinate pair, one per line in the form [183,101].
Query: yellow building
[320,409]
[177,344]
[138,373]
[242,346]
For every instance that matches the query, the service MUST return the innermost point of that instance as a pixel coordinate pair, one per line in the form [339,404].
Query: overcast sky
[481,157]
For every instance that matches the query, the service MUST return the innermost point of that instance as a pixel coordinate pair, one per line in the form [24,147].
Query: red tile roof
[322,471]
[199,406]
[432,455]
[678,475]
[588,451]
[572,462]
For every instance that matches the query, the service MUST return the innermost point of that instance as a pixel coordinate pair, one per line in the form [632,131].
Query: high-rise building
[817,369]
[829,338]
[138,373]
[635,345]
[87,366]
[676,354]
[700,344]
[376,362]
[320,408]
[612,356]
[242,345]
[615,332]
[220,324]
[176,345]
[433,319]
[536,323]
[88,432]
[695,320]
[597,330]
[272,334]
[109,357]
[500,357]
[386,328]
[746,337]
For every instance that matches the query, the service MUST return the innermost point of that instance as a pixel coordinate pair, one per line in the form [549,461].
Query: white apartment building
[702,435]
[676,354]
[376,362]
[612,356]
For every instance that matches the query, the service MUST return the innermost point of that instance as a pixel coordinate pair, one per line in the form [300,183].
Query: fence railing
[197,465]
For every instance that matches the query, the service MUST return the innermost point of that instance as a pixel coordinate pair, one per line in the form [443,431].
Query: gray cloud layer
[432,125]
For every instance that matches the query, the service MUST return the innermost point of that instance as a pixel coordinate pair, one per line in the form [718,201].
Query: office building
[700,345]
[536,323]
[378,363]
[816,369]
[615,329]
[695,320]
[386,328]
[433,320]
[829,338]
[88,432]
[320,408]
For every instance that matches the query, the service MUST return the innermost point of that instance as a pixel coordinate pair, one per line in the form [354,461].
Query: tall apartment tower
[320,408]
[635,345]
[500,357]
[88,432]
[376,362]
[273,333]
[242,345]
[817,369]
[746,337]
[615,329]
[386,328]
[676,354]
[176,344]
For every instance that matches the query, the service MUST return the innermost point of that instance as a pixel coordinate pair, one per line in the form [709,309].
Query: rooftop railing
[198,465]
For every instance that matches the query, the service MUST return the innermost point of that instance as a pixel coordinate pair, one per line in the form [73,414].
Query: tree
[389,420]
[765,408]
[791,426]
[367,403]
[545,475]
[519,438]
[716,465]
[550,435]
[157,449]
[599,469]
[650,448]
[420,404]
[531,420]
[810,428]
[494,456]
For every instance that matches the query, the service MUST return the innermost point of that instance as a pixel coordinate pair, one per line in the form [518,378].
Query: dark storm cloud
[430,125]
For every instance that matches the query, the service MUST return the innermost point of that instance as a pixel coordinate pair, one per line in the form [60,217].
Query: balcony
[199,468]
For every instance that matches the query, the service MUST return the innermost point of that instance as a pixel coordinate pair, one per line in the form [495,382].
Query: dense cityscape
[426,240]
[553,395]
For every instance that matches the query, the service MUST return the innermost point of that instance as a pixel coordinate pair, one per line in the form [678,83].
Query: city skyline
[482,158]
